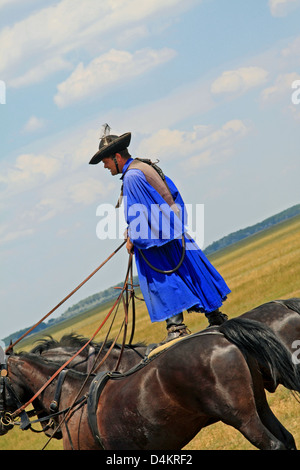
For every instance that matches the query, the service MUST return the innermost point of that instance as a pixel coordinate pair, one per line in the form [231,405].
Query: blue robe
[155,229]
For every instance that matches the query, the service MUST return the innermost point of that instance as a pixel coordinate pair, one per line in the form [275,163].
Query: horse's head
[6,399]
[11,396]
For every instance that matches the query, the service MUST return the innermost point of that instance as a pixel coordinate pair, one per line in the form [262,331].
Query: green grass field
[261,268]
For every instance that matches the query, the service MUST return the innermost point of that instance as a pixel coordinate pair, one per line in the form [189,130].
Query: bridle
[10,402]
[8,398]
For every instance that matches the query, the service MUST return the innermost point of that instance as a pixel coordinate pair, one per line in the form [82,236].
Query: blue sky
[204,86]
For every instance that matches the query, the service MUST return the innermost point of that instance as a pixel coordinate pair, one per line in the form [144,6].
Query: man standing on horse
[174,274]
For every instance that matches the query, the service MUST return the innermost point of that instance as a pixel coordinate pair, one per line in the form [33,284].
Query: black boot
[175,328]
[216,318]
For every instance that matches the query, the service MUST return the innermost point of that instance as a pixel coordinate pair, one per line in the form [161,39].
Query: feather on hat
[110,144]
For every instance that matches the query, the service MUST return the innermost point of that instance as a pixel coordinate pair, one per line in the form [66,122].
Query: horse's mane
[292,304]
[37,360]
[71,340]
[76,341]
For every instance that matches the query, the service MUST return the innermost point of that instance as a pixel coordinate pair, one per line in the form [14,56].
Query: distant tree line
[249,231]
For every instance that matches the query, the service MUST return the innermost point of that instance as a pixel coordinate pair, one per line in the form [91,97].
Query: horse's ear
[10,350]
[2,356]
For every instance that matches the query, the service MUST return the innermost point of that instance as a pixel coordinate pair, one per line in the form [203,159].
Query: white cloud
[41,71]
[29,169]
[34,124]
[132,34]
[292,50]
[107,70]
[65,156]
[281,87]
[56,31]
[15,235]
[62,195]
[216,146]
[239,80]
[88,191]
[199,147]
[4,3]
[283,7]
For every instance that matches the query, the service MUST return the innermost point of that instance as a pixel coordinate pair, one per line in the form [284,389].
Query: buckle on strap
[55,402]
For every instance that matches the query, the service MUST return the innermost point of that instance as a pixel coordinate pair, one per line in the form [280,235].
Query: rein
[8,420]
[124,288]
[64,300]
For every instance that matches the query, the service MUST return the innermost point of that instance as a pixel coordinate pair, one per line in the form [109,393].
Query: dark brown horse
[200,380]
[282,316]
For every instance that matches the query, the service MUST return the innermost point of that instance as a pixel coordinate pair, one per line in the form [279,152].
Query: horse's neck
[28,376]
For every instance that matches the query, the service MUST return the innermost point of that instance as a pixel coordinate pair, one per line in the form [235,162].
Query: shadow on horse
[163,403]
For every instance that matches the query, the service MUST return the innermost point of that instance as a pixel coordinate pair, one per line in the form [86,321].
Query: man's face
[109,164]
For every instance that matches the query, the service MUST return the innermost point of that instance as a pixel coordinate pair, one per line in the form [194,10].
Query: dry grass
[262,268]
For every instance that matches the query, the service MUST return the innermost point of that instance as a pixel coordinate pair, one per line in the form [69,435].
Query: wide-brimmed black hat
[109,145]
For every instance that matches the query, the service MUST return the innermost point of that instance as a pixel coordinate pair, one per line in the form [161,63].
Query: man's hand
[129,246]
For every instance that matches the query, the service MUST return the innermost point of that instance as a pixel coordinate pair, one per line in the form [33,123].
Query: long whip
[66,298]
[45,385]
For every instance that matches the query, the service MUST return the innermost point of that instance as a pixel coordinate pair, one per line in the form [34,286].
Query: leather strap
[55,402]
[154,179]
